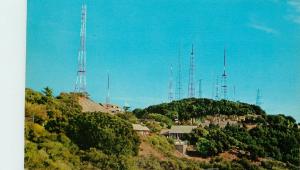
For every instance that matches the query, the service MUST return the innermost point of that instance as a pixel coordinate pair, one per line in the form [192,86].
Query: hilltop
[60,134]
[194,111]
[229,129]
[186,109]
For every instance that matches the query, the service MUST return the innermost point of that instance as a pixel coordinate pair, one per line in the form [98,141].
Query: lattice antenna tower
[191,88]
[258,98]
[80,85]
[224,77]
[108,90]
[217,97]
[200,89]
[171,92]
[179,75]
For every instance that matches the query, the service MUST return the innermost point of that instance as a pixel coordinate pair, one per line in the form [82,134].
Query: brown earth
[147,150]
[91,106]
[228,156]
[249,126]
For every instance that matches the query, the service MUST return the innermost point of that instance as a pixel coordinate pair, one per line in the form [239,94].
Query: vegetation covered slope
[274,137]
[186,109]
[59,136]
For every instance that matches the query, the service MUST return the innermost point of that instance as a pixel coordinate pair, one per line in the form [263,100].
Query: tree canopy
[59,136]
[186,109]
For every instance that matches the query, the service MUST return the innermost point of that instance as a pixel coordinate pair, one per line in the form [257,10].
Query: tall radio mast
[224,76]
[191,88]
[80,85]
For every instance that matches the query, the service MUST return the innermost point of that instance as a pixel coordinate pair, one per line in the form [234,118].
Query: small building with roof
[178,131]
[181,146]
[140,129]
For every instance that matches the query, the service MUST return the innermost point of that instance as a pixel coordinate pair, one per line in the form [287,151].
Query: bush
[247,164]
[187,109]
[105,132]
[154,126]
[148,163]
[97,159]
[160,118]
[128,116]
[161,143]
[206,147]
[36,112]
[44,150]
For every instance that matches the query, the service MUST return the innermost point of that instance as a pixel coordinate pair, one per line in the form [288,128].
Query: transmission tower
[258,98]
[108,90]
[191,88]
[80,85]
[224,77]
[200,89]
[171,93]
[217,97]
[179,76]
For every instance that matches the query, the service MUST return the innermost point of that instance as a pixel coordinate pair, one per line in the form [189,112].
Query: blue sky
[138,41]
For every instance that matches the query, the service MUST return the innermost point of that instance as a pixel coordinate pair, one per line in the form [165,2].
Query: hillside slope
[90,106]
[59,135]
[186,109]
[226,127]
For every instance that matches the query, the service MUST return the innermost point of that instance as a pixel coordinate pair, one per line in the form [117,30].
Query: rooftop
[182,129]
[140,127]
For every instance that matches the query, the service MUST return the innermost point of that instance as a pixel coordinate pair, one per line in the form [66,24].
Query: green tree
[206,147]
[48,92]
[105,132]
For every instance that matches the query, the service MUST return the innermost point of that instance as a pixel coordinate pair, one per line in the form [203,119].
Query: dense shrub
[186,109]
[44,150]
[161,143]
[48,147]
[59,136]
[102,131]
[148,163]
[129,116]
[154,126]
[206,147]
[160,118]
[36,112]
[96,159]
